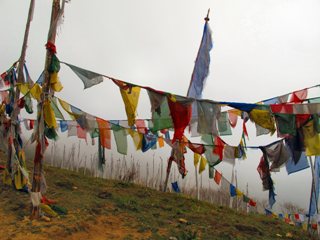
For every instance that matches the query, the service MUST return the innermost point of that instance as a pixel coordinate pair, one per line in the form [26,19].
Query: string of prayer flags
[88,78]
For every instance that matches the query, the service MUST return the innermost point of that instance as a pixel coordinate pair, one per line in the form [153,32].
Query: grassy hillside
[101,209]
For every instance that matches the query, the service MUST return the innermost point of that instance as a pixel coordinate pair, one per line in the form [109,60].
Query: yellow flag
[18,179]
[7,178]
[55,82]
[23,87]
[239,193]
[311,139]
[203,163]
[49,116]
[36,91]
[263,118]
[137,138]
[196,158]
[66,107]
[130,98]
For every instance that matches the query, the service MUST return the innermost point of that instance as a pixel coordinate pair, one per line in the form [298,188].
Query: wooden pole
[313,191]
[197,181]
[167,175]
[40,139]
[14,127]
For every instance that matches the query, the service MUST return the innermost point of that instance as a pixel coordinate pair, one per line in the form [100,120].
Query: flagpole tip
[207,17]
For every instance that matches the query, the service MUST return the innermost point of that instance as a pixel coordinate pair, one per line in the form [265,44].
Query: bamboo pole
[40,140]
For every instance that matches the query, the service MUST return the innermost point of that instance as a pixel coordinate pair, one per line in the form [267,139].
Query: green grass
[144,213]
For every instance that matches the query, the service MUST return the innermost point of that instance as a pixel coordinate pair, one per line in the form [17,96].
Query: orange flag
[105,134]
[217,177]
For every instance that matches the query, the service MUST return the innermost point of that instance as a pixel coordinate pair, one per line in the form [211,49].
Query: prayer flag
[203,163]
[175,187]
[217,177]
[104,130]
[201,67]
[88,78]
[233,191]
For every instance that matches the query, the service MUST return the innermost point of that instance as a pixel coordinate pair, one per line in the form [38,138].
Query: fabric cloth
[130,97]
[105,135]
[208,114]
[311,139]
[299,165]
[148,141]
[203,164]
[277,154]
[224,125]
[137,138]
[180,111]
[299,96]
[233,191]
[88,78]
[217,177]
[120,136]
[49,116]
[63,125]
[286,123]
[175,187]
[177,155]
[263,118]
[161,118]
[196,158]
[201,67]
[233,117]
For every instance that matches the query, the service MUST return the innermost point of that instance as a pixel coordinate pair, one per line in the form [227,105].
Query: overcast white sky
[262,49]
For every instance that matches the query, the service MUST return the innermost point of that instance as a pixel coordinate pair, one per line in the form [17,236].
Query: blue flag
[233,191]
[201,67]
[175,187]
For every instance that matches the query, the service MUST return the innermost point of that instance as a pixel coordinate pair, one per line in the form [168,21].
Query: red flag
[181,115]
[252,203]
[218,147]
